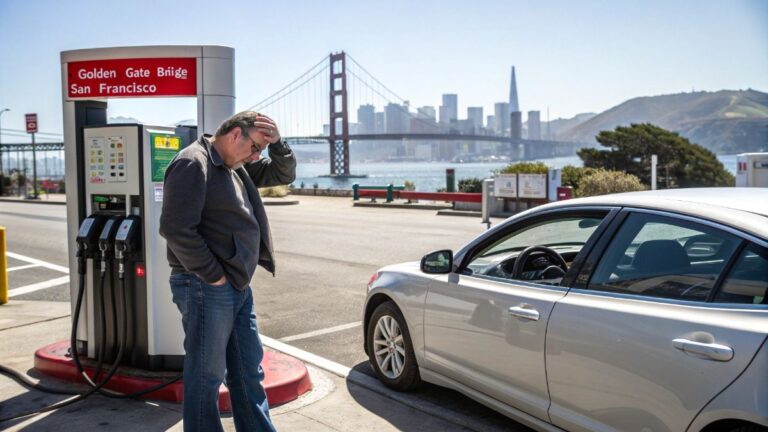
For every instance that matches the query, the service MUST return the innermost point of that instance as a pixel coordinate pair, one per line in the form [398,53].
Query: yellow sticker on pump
[166,142]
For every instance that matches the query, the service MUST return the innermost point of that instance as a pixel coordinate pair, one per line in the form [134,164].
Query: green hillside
[725,121]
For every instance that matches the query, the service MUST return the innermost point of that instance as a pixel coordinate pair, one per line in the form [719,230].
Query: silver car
[643,311]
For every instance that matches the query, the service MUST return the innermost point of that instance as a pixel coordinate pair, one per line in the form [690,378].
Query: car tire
[395,364]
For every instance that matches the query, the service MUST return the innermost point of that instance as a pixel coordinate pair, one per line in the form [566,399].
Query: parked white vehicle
[644,311]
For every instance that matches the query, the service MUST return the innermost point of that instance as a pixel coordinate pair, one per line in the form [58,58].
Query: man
[217,233]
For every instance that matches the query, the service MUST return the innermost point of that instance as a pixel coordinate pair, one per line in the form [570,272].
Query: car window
[748,280]
[664,257]
[564,237]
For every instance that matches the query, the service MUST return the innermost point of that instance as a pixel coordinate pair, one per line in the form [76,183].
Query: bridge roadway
[326,251]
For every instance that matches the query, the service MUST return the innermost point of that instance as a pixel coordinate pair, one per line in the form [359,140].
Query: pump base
[286,378]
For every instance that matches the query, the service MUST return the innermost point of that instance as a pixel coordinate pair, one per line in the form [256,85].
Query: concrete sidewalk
[335,404]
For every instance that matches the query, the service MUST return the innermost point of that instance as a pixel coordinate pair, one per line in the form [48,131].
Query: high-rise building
[475,116]
[514,105]
[451,104]
[379,128]
[501,112]
[516,125]
[534,125]
[426,112]
[397,118]
[366,119]
[490,123]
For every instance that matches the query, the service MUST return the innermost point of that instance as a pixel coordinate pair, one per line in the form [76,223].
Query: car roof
[742,208]
[752,200]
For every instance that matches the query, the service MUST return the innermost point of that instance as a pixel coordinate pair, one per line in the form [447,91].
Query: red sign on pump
[139,77]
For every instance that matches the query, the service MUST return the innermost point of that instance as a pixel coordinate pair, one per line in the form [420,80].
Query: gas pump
[127,306]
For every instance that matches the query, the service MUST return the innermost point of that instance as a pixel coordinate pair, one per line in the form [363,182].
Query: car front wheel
[390,350]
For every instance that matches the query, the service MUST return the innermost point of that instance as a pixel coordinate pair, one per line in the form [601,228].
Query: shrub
[274,191]
[602,182]
[409,185]
[471,185]
[525,168]
[572,175]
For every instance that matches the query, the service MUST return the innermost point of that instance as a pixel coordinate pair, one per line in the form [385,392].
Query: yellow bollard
[3,269]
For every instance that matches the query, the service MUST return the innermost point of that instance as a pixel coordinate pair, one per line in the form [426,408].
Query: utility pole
[4,174]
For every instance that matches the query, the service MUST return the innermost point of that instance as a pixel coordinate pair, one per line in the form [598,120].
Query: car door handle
[709,350]
[525,313]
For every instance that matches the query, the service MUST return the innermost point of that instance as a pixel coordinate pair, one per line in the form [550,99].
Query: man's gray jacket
[208,230]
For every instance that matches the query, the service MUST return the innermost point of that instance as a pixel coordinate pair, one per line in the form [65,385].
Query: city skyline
[571,57]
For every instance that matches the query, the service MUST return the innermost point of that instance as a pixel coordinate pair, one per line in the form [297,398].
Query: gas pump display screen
[164,148]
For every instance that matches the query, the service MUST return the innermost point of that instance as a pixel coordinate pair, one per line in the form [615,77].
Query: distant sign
[505,185]
[31,120]
[141,77]
[532,185]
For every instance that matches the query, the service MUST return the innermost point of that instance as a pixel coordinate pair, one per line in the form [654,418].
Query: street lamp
[2,177]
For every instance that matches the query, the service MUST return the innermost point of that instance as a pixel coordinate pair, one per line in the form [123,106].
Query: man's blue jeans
[220,335]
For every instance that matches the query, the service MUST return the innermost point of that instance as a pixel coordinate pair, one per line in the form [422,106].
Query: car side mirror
[440,262]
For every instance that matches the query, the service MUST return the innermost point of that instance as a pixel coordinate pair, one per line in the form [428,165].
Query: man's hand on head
[268,127]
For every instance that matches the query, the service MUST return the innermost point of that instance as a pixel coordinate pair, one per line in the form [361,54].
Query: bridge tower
[338,136]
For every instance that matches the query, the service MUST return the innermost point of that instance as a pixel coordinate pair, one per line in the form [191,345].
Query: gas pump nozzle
[107,239]
[127,241]
[87,239]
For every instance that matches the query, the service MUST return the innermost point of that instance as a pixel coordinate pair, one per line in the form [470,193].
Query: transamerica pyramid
[513,103]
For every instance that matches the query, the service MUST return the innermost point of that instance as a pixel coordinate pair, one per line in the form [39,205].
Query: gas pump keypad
[116,158]
[107,160]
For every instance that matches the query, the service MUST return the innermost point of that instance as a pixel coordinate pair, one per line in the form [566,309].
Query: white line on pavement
[23,267]
[321,331]
[38,286]
[321,362]
[38,262]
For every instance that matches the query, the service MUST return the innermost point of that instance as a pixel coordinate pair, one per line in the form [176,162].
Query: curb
[286,378]
[469,213]
[401,206]
[279,202]
[26,201]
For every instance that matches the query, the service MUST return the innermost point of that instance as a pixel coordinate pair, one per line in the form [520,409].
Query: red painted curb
[285,378]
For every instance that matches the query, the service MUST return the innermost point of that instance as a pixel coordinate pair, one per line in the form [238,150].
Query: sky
[570,56]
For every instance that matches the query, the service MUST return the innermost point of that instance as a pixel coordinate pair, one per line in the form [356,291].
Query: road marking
[38,286]
[23,267]
[38,262]
[321,362]
[321,331]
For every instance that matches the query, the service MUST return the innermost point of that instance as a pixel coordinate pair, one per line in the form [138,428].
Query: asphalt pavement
[326,251]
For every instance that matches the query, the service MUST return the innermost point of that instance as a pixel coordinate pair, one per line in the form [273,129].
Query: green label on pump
[164,148]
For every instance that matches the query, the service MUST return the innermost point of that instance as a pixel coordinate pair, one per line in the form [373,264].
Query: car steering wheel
[522,259]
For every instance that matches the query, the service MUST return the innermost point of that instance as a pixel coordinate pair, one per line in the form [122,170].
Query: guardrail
[390,189]
[428,196]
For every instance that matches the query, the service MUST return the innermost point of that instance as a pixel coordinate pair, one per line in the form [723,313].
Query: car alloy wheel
[390,350]
[389,347]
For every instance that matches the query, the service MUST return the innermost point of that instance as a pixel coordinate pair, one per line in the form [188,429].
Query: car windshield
[562,232]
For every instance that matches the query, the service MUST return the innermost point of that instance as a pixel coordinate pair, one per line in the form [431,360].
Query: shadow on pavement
[94,412]
[481,417]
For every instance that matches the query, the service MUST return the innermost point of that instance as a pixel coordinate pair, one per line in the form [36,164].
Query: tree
[680,162]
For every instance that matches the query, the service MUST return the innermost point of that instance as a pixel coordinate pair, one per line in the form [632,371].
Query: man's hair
[243,120]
